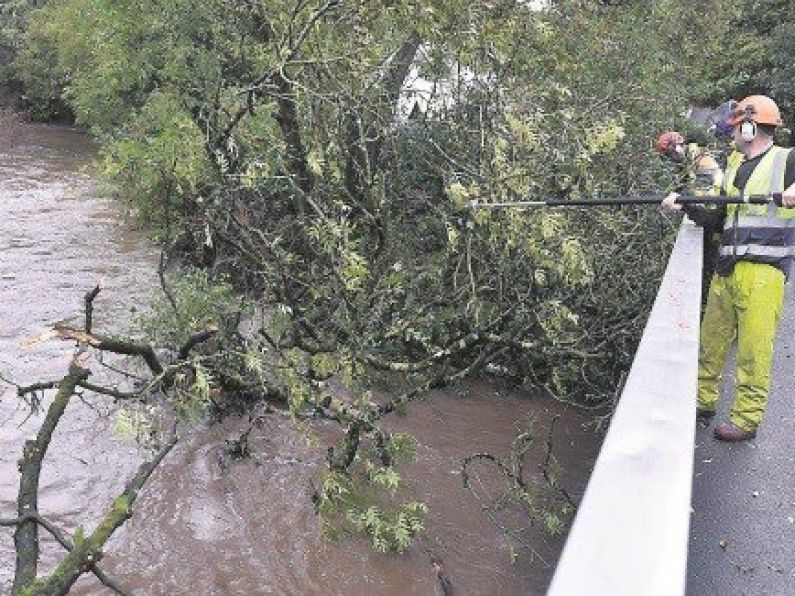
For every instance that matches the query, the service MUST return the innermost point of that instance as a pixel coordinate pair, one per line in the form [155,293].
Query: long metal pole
[630,200]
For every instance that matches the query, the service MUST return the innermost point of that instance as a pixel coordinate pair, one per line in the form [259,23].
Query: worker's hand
[669,204]
[788,197]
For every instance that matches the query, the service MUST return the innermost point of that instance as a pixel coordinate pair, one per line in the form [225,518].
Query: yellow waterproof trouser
[743,306]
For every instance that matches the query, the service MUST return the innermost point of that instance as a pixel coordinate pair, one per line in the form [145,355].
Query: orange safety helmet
[668,140]
[756,108]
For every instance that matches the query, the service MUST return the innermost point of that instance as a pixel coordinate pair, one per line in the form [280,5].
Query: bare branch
[110,391]
[89,300]
[40,386]
[195,339]
[109,344]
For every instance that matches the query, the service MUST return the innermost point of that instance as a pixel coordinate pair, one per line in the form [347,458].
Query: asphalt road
[742,536]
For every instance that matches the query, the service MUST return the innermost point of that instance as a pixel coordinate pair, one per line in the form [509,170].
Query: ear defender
[748,131]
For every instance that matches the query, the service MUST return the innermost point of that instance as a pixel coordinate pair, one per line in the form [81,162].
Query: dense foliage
[278,142]
[756,57]
[12,26]
[321,155]
[47,102]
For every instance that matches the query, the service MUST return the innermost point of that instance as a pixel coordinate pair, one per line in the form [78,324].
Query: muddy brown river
[205,524]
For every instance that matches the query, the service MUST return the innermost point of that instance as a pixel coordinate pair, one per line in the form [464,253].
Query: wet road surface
[742,537]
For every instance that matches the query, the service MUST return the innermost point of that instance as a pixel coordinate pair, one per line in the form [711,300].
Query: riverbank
[9,100]
[10,127]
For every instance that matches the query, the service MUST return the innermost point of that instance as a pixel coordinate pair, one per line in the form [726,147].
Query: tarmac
[742,526]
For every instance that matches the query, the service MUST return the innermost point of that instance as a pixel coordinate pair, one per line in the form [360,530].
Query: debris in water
[444,579]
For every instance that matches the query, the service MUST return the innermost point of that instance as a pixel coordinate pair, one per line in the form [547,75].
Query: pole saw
[631,200]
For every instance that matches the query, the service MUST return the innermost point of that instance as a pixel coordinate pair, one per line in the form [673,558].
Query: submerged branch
[26,538]
[61,538]
[195,339]
[87,551]
[89,300]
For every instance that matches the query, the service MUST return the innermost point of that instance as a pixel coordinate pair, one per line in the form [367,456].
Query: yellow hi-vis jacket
[759,233]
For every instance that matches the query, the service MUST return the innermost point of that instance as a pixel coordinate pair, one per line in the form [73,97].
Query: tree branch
[110,344]
[195,339]
[64,542]
[87,551]
[89,300]
[26,538]
[109,391]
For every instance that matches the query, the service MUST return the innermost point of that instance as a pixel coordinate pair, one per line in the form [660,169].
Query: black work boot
[704,415]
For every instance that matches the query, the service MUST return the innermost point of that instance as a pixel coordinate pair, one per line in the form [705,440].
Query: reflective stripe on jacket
[759,233]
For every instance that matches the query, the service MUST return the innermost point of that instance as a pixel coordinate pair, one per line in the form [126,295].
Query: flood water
[205,524]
